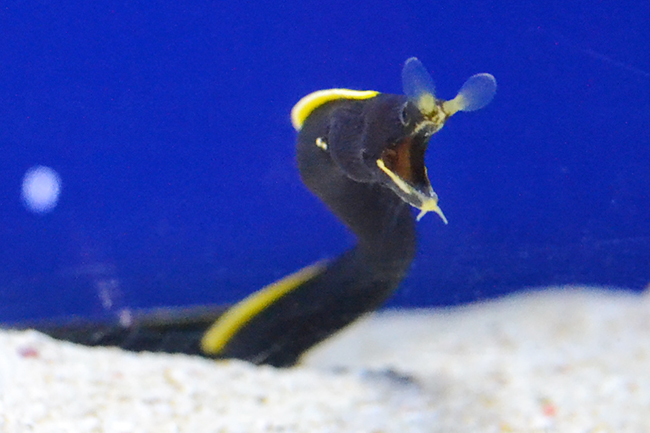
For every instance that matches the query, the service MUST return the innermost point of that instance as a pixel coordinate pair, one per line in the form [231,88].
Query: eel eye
[404,115]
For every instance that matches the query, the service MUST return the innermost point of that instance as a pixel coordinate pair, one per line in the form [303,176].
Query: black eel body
[357,282]
[362,153]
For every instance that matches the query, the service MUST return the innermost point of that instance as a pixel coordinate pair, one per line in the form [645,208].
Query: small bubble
[41,188]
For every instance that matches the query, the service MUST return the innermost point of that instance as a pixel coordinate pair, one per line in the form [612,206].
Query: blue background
[169,126]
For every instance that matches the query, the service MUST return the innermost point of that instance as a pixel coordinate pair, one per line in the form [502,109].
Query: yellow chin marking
[429,203]
[226,326]
[431,206]
[309,103]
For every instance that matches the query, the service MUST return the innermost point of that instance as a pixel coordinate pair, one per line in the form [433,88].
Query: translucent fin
[475,94]
[418,85]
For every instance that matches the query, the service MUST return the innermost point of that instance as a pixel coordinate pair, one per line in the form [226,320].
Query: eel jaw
[404,166]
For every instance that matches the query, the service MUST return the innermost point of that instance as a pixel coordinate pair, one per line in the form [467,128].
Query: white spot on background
[41,188]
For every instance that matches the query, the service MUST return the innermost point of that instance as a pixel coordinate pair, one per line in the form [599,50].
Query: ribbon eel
[362,153]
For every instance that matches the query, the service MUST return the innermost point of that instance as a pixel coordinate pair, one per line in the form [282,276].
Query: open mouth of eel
[404,165]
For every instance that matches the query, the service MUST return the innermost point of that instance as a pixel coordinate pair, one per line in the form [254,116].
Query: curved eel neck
[383,223]
[327,299]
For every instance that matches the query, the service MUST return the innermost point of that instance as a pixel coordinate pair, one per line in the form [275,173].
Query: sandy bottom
[551,361]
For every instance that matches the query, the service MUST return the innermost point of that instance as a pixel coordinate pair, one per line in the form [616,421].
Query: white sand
[553,361]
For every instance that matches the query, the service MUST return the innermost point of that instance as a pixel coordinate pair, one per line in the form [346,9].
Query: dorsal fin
[309,103]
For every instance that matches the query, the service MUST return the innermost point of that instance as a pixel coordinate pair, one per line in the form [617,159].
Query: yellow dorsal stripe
[309,103]
[226,326]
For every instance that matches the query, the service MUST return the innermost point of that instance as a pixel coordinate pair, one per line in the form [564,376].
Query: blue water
[169,127]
